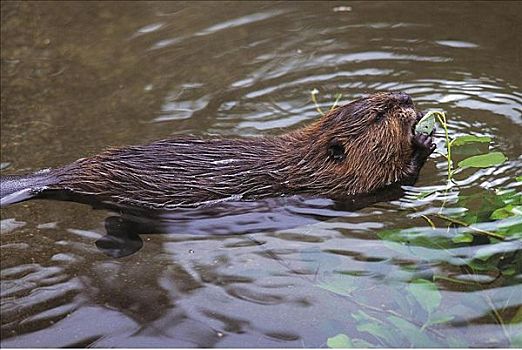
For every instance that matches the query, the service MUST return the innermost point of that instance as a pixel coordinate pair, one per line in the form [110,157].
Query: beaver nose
[403,99]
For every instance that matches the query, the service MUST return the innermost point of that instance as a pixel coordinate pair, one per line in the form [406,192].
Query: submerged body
[359,148]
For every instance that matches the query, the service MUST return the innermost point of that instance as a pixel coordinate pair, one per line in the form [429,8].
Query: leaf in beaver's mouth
[427,123]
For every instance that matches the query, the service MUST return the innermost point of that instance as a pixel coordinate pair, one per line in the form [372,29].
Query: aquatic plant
[474,230]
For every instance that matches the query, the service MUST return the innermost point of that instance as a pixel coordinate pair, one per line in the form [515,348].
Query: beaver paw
[423,144]
[423,147]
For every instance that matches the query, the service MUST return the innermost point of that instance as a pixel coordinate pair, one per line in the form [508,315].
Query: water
[80,77]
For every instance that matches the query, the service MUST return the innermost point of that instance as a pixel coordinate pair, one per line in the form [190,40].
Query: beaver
[361,147]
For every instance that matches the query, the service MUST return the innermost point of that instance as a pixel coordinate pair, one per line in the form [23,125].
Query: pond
[419,270]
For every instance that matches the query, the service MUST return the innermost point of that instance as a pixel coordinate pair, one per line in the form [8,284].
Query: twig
[315,92]
[337,99]
[478,230]
[429,221]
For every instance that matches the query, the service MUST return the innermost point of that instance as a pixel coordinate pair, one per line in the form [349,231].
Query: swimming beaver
[358,148]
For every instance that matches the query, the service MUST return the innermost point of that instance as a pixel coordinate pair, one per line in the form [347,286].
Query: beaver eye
[336,150]
[380,116]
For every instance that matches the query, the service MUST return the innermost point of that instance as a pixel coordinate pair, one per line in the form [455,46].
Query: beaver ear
[336,150]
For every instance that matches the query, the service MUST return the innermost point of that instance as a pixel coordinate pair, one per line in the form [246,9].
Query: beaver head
[382,123]
[363,145]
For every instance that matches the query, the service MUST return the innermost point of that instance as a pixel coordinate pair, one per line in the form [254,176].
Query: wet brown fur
[357,148]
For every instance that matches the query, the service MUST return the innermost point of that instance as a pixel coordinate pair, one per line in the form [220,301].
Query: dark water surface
[78,77]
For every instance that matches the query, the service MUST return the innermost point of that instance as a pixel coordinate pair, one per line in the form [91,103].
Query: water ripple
[236,22]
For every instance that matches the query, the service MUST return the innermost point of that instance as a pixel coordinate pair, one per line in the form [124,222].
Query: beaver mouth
[416,121]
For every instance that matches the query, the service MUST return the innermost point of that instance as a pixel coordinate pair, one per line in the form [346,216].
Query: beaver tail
[18,188]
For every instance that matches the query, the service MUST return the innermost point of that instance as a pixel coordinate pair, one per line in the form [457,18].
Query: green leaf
[362,344]
[518,178]
[518,316]
[483,254]
[505,191]
[481,204]
[483,160]
[426,293]
[511,226]
[438,319]
[503,213]
[509,271]
[340,341]
[427,123]
[417,338]
[462,140]
[375,327]
[342,285]
[463,237]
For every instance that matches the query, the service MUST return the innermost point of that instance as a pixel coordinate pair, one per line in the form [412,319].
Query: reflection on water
[79,77]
